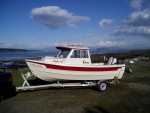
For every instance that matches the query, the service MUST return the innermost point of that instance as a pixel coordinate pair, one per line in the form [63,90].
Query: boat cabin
[70,54]
[75,55]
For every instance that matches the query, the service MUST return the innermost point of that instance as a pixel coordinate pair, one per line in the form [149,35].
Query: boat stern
[121,72]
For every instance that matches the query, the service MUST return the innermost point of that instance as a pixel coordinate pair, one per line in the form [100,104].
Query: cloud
[53,45]
[136,4]
[133,30]
[111,44]
[98,44]
[89,35]
[11,45]
[21,45]
[54,17]
[5,45]
[107,44]
[140,18]
[137,24]
[105,21]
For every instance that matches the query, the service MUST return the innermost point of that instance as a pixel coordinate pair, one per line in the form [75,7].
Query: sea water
[22,55]
[35,54]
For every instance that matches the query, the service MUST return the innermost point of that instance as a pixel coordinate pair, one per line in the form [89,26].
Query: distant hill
[15,50]
[102,49]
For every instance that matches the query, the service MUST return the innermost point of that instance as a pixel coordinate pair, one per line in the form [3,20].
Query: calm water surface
[20,55]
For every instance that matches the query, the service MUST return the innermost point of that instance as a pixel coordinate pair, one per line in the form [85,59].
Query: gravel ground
[51,101]
[139,86]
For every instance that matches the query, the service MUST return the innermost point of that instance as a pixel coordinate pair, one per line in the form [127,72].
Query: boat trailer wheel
[102,86]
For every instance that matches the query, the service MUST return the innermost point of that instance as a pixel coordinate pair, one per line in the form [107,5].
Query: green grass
[17,78]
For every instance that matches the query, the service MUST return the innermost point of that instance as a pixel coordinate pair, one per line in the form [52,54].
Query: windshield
[63,53]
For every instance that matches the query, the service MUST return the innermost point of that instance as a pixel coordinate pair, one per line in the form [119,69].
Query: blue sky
[40,24]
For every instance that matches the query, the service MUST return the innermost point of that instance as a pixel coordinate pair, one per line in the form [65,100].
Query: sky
[41,24]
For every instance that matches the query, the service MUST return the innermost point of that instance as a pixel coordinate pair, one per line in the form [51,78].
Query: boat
[73,63]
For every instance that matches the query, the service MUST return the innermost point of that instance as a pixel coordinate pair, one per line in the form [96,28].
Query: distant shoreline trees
[15,50]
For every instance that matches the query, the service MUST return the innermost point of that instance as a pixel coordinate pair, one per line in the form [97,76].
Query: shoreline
[98,57]
[126,54]
[22,60]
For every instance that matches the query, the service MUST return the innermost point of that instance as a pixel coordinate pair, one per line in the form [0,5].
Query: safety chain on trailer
[116,81]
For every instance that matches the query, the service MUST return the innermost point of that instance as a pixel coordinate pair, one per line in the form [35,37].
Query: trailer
[101,84]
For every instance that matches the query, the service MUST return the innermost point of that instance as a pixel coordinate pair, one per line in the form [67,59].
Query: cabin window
[79,54]
[75,54]
[84,53]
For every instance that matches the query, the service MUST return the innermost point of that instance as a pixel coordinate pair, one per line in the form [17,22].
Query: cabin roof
[80,47]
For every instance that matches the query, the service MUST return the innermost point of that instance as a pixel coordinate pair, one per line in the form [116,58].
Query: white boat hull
[53,72]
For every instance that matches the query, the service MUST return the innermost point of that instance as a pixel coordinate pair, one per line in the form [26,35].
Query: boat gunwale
[79,68]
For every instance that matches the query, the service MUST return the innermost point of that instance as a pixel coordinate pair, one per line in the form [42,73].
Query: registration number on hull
[38,65]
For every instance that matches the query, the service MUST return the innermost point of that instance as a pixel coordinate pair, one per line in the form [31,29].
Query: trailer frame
[26,85]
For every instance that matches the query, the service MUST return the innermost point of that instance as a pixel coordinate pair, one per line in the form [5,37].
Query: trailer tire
[102,86]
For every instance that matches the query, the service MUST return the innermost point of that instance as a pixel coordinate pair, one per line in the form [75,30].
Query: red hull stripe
[69,68]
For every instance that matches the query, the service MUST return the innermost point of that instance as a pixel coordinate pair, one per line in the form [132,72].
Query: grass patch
[17,78]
